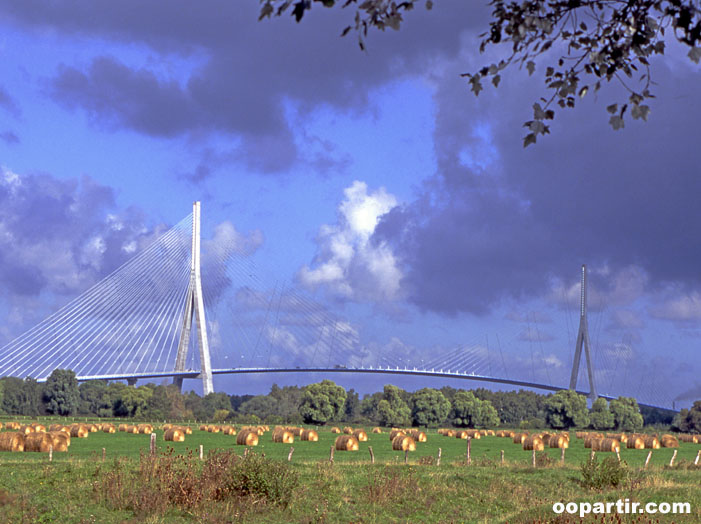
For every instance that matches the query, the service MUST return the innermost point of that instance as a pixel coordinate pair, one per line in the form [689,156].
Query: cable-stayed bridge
[165,313]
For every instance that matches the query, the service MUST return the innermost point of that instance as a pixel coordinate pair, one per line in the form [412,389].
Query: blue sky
[372,183]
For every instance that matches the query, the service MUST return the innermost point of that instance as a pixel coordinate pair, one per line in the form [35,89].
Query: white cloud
[681,308]
[348,263]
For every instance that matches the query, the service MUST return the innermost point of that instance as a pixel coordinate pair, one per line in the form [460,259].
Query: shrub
[605,474]
[256,476]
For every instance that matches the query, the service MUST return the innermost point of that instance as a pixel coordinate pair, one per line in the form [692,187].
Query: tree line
[327,402]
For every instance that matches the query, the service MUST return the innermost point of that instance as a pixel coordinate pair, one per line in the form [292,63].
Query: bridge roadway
[379,370]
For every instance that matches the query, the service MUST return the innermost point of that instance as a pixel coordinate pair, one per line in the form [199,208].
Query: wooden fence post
[533,457]
[618,455]
[469,451]
[103,454]
[438,459]
[51,453]
[406,456]
[152,449]
[201,452]
[502,457]
[289,456]
[674,455]
[696,462]
[331,456]
[372,455]
[647,460]
[562,455]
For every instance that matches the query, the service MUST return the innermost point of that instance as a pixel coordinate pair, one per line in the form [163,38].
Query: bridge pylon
[194,306]
[583,341]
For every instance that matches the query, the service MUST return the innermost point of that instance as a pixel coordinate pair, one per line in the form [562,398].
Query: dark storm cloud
[249,70]
[499,221]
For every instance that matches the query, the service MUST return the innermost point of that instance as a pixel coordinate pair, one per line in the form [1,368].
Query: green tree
[601,417]
[61,395]
[429,407]
[262,406]
[392,410]
[95,398]
[626,414]
[689,420]
[322,402]
[470,411]
[584,44]
[132,401]
[212,402]
[352,406]
[566,409]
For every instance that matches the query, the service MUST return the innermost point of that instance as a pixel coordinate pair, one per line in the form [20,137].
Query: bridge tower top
[583,341]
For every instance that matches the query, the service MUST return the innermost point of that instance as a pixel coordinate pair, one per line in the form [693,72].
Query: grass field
[73,487]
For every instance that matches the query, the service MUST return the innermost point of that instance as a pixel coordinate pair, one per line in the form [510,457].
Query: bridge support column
[131,381]
[194,305]
[583,341]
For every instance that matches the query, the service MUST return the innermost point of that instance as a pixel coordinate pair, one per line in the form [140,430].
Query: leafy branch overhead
[582,44]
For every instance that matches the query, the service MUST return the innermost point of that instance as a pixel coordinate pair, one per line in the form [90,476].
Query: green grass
[68,490]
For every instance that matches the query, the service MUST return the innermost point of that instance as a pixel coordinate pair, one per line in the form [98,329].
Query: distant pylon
[583,340]
[194,304]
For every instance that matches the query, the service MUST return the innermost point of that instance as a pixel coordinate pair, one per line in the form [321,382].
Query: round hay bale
[394,433]
[635,442]
[558,441]
[417,435]
[40,442]
[79,431]
[203,427]
[490,433]
[283,436]
[122,427]
[462,434]
[348,430]
[12,425]
[246,437]
[26,430]
[309,435]
[297,432]
[174,435]
[39,428]
[473,433]
[108,428]
[187,429]
[92,428]
[606,445]
[346,443]
[134,430]
[377,430]
[60,440]
[518,438]
[145,429]
[55,427]
[213,429]
[651,442]
[12,441]
[360,435]
[449,433]
[403,443]
[335,430]
[533,442]
[686,437]
[669,441]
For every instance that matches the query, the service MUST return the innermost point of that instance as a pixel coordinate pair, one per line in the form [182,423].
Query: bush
[269,480]
[608,473]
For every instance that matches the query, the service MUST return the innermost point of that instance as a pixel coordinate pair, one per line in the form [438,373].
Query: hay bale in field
[651,442]
[134,430]
[38,428]
[377,430]
[309,435]
[38,441]
[12,425]
[558,441]
[283,436]
[109,428]
[203,427]
[360,435]
[669,441]
[473,433]
[395,432]
[606,445]
[462,434]
[12,441]
[518,438]
[335,430]
[187,429]
[55,427]
[92,428]
[122,427]
[346,443]
[26,430]
[166,427]
[145,429]
[79,431]
[417,435]
[348,430]
[533,442]
[635,442]
[490,433]
[174,435]
[213,429]
[228,430]
[403,443]
[60,441]
[246,437]
[692,439]
[297,432]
